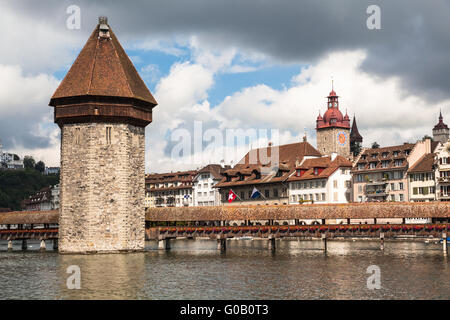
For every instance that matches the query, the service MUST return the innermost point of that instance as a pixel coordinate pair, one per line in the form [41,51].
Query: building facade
[269,179]
[442,172]
[45,199]
[421,179]
[102,107]
[206,178]
[321,180]
[380,174]
[174,189]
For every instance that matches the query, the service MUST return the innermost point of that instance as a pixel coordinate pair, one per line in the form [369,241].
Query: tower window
[108,135]
[77,136]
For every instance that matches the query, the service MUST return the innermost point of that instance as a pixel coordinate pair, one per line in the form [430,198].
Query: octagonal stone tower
[102,107]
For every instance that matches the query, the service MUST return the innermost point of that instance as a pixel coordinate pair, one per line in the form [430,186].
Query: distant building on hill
[9,161]
[45,199]
[174,189]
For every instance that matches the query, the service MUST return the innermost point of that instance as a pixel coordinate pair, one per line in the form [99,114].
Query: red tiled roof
[424,164]
[251,170]
[324,162]
[103,69]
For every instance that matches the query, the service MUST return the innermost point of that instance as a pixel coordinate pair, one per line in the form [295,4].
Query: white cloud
[384,112]
[26,121]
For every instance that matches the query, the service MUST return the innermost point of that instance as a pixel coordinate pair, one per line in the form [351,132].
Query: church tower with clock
[333,129]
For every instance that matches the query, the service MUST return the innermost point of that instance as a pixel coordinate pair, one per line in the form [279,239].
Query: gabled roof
[424,164]
[380,155]
[328,166]
[103,69]
[215,170]
[253,169]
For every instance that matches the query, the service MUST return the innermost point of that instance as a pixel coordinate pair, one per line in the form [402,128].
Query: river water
[194,269]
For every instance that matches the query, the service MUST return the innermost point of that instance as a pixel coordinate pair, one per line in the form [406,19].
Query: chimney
[333,156]
[103,27]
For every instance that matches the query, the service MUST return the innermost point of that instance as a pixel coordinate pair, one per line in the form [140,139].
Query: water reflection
[248,270]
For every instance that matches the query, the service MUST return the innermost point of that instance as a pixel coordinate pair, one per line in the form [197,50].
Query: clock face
[342,138]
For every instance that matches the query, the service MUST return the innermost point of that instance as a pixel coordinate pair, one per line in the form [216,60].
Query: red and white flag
[231,196]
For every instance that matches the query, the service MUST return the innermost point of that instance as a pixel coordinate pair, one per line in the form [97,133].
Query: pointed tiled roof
[103,69]
[441,124]
[354,133]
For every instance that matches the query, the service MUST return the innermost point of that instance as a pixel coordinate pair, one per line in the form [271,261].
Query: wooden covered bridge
[376,220]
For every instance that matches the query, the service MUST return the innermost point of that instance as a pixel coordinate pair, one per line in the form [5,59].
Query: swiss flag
[231,196]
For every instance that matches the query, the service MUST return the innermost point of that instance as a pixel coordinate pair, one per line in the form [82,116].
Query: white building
[9,160]
[204,192]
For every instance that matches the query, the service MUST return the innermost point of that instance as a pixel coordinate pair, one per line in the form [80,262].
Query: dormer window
[395,153]
[316,171]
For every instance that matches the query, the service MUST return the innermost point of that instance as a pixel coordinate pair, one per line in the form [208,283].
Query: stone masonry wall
[327,142]
[102,188]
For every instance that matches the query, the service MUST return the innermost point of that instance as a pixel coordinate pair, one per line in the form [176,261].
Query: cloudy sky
[233,64]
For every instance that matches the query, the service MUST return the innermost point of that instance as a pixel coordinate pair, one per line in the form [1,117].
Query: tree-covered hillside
[17,185]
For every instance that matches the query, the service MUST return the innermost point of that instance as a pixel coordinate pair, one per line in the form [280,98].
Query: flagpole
[237,195]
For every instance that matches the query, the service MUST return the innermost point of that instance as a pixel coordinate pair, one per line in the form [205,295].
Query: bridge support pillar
[324,242]
[55,244]
[10,247]
[24,245]
[272,245]
[42,246]
[221,244]
[164,244]
[382,240]
[444,244]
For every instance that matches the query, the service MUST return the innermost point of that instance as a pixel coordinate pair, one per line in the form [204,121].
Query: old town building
[45,199]
[421,179]
[102,107]
[321,180]
[268,178]
[206,178]
[173,189]
[380,174]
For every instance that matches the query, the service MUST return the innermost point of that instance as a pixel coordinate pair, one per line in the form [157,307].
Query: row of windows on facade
[205,185]
[180,192]
[423,190]
[385,154]
[384,164]
[375,189]
[267,194]
[108,139]
[316,184]
[205,194]
[386,175]
[421,176]
[311,196]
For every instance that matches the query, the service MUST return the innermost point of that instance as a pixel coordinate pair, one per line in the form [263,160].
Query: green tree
[355,148]
[375,145]
[427,137]
[17,185]
[40,166]
[28,162]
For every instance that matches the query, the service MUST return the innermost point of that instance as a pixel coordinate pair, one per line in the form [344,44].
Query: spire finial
[332,83]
